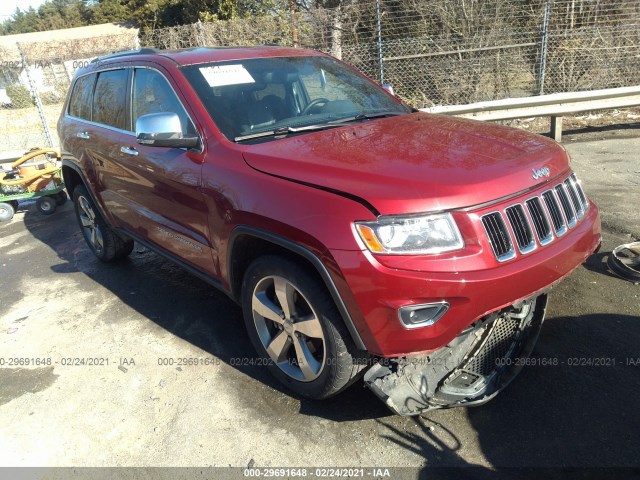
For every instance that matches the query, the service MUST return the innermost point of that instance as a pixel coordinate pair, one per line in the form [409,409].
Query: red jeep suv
[361,238]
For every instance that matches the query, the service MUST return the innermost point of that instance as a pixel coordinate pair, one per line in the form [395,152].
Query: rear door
[110,127]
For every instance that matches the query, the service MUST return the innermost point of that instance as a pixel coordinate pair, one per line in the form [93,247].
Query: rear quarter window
[110,99]
[80,102]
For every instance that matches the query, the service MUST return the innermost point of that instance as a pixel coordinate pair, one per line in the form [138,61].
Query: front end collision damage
[470,370]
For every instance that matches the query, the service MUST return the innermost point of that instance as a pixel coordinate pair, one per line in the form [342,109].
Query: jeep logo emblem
[542,172]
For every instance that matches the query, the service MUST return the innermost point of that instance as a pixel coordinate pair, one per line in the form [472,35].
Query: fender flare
[307,255]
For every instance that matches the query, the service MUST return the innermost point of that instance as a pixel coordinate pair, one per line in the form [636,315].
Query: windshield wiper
[367,116]
[285,131]
[308,128]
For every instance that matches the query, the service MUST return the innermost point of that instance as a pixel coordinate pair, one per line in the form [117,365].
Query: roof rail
[142,51]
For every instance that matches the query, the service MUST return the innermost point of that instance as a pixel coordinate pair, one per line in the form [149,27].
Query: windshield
[248,97]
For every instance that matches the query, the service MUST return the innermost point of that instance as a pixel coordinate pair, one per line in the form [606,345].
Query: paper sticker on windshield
[222,75]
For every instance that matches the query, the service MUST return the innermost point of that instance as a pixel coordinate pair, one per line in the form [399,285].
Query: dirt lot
[139,407]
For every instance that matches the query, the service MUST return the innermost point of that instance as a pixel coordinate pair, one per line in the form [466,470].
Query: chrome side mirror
[163,130]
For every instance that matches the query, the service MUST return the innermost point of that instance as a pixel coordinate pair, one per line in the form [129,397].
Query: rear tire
[6,211]
[297,330]
[105,244]
[46,205]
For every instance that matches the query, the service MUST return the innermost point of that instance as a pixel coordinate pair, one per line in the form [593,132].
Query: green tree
[147,14]
[206,10]
[106,11]
[58,14]
[21,22]
[248,8]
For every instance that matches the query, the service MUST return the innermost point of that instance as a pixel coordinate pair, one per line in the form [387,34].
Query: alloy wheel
[289,328]
[90,227]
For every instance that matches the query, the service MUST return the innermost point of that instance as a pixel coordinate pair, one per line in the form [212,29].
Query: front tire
[296,328]
[105,244]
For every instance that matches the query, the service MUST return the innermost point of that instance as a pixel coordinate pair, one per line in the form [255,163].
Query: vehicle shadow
[572,407]
[439,446]
[569,415]
[598,263]
[185,306]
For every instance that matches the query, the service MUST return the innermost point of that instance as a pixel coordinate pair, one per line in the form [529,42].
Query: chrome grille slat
[569,214]
[575,201]
[521,229]
[498,236]
[553,208]
[540,222]
[580,191]
[554,211]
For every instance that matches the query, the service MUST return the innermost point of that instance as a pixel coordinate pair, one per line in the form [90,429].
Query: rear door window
[80,102]
[110,99]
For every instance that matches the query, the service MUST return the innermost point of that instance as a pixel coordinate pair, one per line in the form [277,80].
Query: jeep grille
[549,216]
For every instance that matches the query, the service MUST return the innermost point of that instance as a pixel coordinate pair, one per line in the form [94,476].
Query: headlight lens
[427,234]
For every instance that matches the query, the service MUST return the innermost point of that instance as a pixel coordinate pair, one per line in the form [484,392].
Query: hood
[415,163]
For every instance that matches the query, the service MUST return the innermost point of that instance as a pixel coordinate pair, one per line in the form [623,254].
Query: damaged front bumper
[471,370]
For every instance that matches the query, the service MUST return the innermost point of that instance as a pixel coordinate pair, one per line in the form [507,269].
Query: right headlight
[411,235]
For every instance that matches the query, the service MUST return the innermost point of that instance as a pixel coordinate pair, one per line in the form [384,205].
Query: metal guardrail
[554,105]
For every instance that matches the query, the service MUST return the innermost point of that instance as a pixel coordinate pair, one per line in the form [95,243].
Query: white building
[54,55]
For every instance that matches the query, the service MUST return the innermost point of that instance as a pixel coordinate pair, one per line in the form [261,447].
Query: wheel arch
[248,243]
[73,176]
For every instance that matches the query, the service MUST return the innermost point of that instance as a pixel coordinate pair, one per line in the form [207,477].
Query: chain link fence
[433,52]
[34,79]
[440,52]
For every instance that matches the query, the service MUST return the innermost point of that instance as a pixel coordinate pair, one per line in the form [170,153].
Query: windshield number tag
[222,75]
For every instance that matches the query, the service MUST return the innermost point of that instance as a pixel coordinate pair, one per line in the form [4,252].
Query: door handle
[83,135]
[129,151]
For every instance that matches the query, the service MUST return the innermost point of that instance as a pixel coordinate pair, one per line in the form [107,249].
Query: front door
[155,191]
